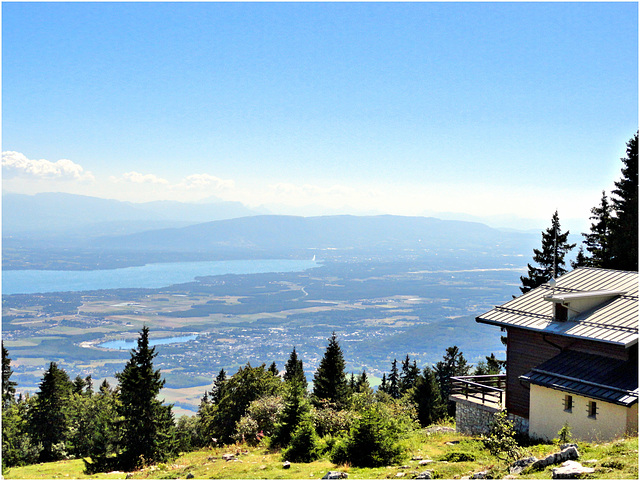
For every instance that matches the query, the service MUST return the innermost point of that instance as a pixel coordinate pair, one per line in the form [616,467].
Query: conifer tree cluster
[122,428]
[127,427]
[611,243]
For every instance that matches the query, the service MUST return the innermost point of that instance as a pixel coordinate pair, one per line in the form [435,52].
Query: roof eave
[626,345]
[575,391]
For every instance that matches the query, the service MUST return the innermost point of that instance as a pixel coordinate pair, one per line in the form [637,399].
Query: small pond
[132,343]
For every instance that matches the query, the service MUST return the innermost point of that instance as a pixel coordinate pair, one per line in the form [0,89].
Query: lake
[132,343]
[148,276]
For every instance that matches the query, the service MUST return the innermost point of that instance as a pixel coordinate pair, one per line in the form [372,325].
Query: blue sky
[402,108]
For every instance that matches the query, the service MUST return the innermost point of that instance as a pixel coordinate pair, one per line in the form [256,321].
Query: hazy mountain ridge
[59,213]
[272,232]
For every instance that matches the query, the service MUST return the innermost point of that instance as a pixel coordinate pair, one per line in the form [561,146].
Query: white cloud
[204,181]
[138,178]
[16,164]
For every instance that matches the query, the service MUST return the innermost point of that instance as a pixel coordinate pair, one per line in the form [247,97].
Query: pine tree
[624,228]
[330,380]
[352,384]
[581,259]
[217,389]
[294,370]
[550,257]
[384,385]
[426,395]
[408,375]
[296,407]
[453,364]
[394,381]
[495,365]
[273,369]
[142,412]
[49,422]
[598,241]
[8,386]
[362,383]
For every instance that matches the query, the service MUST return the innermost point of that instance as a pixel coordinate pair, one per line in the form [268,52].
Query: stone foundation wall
[520,424]
[475,418]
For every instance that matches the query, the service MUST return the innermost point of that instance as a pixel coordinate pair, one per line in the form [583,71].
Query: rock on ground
[571,470]
[335,475]
[425,475]
[520,464]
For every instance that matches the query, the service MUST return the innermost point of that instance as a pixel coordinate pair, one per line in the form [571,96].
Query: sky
[488,109]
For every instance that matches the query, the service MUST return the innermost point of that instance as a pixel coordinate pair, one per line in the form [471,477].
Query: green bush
[259,421]
[501,441]
[329,420]
[458,457]
[305,444]
[373,440]
[564,435]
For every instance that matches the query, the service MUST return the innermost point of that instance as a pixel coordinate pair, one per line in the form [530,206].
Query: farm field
[379,310]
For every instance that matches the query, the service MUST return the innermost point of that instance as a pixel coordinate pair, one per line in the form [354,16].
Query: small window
[592,409]
[562,313]
[568,403]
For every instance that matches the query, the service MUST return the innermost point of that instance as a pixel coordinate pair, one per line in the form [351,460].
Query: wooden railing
[487,388]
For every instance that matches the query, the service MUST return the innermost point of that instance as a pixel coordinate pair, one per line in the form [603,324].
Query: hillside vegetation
[613,460]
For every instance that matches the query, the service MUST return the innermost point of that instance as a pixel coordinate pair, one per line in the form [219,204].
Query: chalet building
[572,356]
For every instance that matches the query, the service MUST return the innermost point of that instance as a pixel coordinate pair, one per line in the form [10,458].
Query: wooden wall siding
[527,349]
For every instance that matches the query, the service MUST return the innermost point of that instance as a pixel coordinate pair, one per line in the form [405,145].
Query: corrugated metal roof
[589,375]
[614,321]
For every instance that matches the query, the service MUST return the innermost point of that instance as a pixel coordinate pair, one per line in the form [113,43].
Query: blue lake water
[132,343]
[148,276]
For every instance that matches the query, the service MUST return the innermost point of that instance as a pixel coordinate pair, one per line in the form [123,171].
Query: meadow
[434,449]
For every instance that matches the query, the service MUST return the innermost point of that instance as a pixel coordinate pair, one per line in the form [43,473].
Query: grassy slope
[615,460]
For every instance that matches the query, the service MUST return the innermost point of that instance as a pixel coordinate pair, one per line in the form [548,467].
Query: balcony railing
[486,388]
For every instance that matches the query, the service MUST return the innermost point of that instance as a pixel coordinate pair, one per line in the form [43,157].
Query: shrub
[564,435]
[328,420]
[305,444]
[458,457]
[373,440]
[501,441]
[259,421]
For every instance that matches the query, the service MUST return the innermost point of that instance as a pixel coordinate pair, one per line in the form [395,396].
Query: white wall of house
[547,415]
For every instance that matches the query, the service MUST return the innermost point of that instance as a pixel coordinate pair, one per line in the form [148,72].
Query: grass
[614,460]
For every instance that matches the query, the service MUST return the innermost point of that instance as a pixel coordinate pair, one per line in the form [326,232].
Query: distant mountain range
[219,227]
[78,215]
[288,233]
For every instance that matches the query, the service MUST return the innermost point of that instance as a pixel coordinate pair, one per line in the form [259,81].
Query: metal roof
[615,320]
[589,375]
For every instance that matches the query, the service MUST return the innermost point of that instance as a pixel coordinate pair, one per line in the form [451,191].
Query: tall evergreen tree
[273,369]
[550,258]
[394,381]
[8,386]
[624,228]
[598,240]
[294,370]
[362,383]
[426,395]
[330,380]
[384,385]
[98,430]
[217,390]
[142,413]
[581,259]
[408,375]
[296,407]
[453,364]
[49,420]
